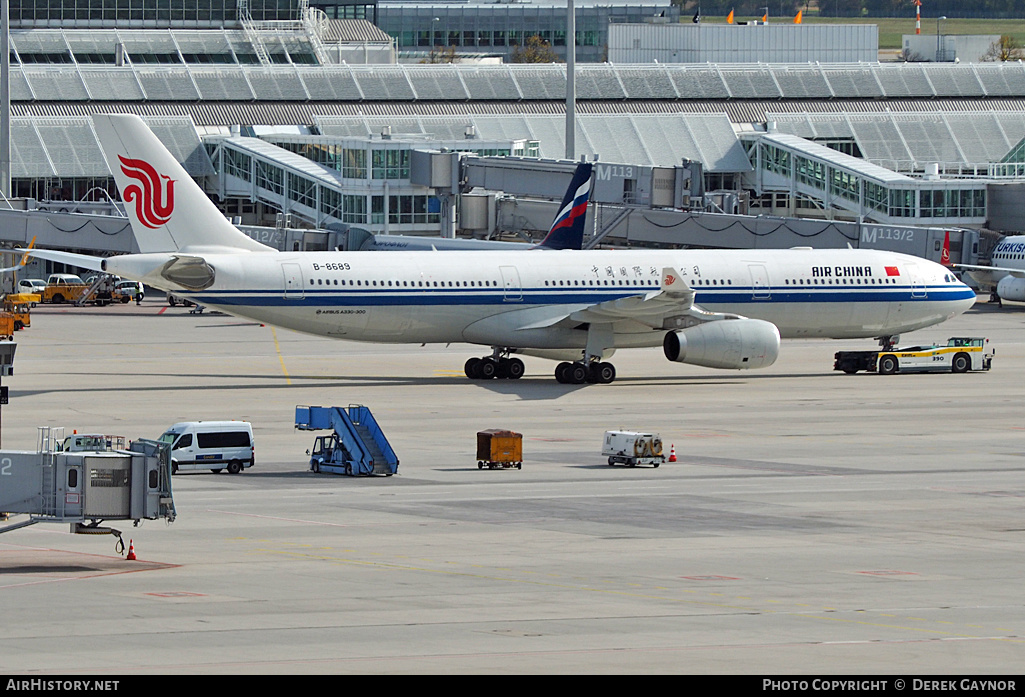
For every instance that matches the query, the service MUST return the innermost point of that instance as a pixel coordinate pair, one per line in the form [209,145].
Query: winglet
[567,231]
[673,283]
[25,256]
[28,251]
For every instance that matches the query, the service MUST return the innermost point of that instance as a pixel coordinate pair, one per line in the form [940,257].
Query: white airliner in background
[1005,277]
[714,308]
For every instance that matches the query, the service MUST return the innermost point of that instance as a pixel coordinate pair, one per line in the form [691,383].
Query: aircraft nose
[964,299]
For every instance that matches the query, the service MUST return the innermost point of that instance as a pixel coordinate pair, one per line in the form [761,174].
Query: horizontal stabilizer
[82,261]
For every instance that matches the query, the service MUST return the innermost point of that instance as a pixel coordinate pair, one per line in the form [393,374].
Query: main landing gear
[501,365]
[579,372]
[490,367]
[511,368]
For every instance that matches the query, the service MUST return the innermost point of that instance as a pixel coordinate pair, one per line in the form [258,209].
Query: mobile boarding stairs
[357,445]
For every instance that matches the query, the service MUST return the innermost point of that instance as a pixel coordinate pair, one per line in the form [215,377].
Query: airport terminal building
[283,131]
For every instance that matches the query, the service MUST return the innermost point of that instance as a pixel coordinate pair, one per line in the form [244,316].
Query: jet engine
[1011,288]
[728,343]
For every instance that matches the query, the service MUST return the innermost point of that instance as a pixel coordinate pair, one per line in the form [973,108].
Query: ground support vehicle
[497,448]
[632,448]
[62,288]
[78,442]
[357,445]
[960,355]
[126,291]
[69,288]
[6,326]
[212,445]
[18,305]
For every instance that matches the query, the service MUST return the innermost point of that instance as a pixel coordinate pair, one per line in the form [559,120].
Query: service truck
[632,448]
[69,288]
[960,355]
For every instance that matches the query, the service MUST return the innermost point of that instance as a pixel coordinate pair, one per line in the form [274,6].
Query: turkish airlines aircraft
[1006,276]
[719,309]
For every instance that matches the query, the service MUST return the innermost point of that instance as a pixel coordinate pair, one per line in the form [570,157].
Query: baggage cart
[497,448]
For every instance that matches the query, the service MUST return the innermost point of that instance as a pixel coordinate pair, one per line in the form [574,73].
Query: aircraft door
[512,290]
[293,279]
[918,289]
[759,282]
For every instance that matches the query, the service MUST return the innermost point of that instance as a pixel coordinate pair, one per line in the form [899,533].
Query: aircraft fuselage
[522,298]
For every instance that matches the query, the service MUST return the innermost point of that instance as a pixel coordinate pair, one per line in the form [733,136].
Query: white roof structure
[649,139]
[906,141]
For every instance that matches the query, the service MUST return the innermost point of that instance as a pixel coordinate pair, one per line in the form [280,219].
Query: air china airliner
[719,309]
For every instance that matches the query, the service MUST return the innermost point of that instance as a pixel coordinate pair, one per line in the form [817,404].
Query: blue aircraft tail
[567,230]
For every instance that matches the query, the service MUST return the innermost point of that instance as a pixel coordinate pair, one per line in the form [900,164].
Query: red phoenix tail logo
[153,202]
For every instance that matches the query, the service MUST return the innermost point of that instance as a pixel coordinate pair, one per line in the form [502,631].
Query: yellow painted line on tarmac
[906,627]
[277,348]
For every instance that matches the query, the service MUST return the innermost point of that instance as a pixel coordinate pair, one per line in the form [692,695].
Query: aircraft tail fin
[567,231]
[945,253]
[169,212]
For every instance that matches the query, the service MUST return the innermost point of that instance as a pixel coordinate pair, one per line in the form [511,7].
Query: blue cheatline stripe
[549,296]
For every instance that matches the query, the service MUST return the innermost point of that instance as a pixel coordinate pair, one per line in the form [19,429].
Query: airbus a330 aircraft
[714,308]
[1005,278]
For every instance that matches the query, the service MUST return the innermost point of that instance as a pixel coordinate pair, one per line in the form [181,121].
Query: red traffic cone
[672,453]
[131,551]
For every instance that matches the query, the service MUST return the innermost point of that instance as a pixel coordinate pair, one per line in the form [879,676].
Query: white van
[212,445]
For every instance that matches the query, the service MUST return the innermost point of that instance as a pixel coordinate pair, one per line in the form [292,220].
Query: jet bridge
[85,488]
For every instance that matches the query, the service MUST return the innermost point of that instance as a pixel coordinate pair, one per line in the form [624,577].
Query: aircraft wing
[675,298]
[1017,273]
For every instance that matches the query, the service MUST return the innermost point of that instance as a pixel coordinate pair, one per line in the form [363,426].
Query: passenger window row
[405,284]
[830,281]
[606,282]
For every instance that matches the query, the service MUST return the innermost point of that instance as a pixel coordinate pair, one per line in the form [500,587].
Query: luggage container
[497,448]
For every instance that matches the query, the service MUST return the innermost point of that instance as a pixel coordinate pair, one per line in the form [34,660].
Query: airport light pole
[938,54]
[5,99]
[571,80]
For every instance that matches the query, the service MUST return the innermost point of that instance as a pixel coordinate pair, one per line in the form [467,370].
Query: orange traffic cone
[672,453]
[131,551]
